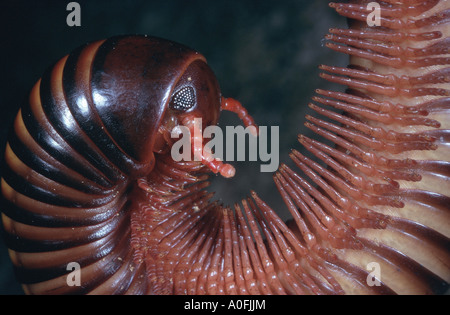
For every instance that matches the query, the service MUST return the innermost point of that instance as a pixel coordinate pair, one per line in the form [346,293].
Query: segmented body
[377,198]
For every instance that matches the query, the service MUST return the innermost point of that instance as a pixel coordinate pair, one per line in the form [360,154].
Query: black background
[265,53]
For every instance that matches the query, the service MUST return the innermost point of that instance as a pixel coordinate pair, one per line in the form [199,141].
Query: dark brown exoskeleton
[89,132]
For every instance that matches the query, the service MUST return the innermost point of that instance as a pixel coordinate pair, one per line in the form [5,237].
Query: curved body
[89,177]
[76,151]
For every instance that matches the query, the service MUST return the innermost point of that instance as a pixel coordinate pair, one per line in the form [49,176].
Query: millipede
[88,175]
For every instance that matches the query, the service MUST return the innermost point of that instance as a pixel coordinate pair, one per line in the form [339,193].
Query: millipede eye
[183,99]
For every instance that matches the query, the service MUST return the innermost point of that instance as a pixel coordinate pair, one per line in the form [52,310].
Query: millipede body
[89,178]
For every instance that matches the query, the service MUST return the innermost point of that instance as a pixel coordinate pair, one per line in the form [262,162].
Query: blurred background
[264,53]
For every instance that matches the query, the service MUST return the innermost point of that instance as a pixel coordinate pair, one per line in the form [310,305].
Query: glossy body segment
[128,75]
